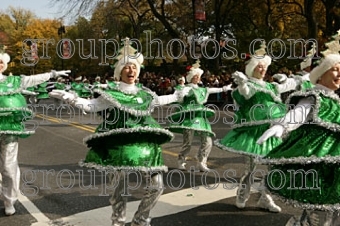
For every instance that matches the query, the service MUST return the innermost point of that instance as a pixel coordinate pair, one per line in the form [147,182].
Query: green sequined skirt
[243,140]
[313,149]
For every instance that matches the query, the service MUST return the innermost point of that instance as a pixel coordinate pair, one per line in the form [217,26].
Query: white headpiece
[331,57]
[5,58]
[194,70]
[128,55]
[259,57]
[307,62]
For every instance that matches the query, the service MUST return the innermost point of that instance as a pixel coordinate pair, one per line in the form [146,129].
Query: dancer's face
[129,73]
[260,70]
[331,78]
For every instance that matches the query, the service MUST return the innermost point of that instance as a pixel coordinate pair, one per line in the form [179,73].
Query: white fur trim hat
[259,57]
[327,63]
[181,79]
[194,70]
[5,58]
[254,61]
[136,59]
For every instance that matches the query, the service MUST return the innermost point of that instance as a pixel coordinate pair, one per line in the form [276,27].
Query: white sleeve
[29,81]
[215,90]
[297,116]
[92,105]
[165,99]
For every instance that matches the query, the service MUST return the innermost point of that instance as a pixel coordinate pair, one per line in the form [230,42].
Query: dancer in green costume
[129,139]
[258,103]
[13,114]
[310,153]
[192,119]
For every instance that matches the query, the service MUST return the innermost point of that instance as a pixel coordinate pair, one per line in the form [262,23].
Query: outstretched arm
[168,99]
[33,80]
[92,105]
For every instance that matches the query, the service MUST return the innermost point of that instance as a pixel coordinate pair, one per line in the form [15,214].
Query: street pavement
[56,191]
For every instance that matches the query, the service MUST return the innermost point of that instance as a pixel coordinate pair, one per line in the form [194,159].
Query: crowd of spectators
[165,84]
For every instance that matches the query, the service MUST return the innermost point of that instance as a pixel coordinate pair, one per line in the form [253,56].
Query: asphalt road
[57,191]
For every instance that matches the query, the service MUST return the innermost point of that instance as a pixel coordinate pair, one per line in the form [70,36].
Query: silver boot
[202,165]
[118,201]
[149,200]
[243,191]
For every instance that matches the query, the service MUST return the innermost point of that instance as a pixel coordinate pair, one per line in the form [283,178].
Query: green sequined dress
[192,114]
[13,109]
[77,88]
[306,167]
[129,138]
[86,91]
[252,119]
[42,91]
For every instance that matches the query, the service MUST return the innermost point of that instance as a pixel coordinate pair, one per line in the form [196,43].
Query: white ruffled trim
[308,206]
[122,107]
[300,160]
[131,130]
[17,109]
[275,97]
[190,128]
[11,132]
[224,148]
[252,123]
[122,168]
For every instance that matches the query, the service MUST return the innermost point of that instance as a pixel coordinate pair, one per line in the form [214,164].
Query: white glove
[306,77]
[56,74]
[276,130]
[239,77]
[63,95]
[185,91]
[281,78]
[227,88]
[180,94]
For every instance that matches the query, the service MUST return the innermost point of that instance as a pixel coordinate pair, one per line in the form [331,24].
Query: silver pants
[9,168]
[205,148]
[149,200]
[245,181]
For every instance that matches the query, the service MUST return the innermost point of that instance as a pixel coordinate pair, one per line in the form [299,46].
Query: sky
[41,8]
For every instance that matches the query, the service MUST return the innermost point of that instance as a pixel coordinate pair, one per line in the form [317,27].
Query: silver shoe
[181,163]
[9,209]
[266,202]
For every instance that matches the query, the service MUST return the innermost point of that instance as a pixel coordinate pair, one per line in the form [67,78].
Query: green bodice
[13,110]
[60,85]
[252,118]
[264,106]
[42,91]
[77,87]
[192,114]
